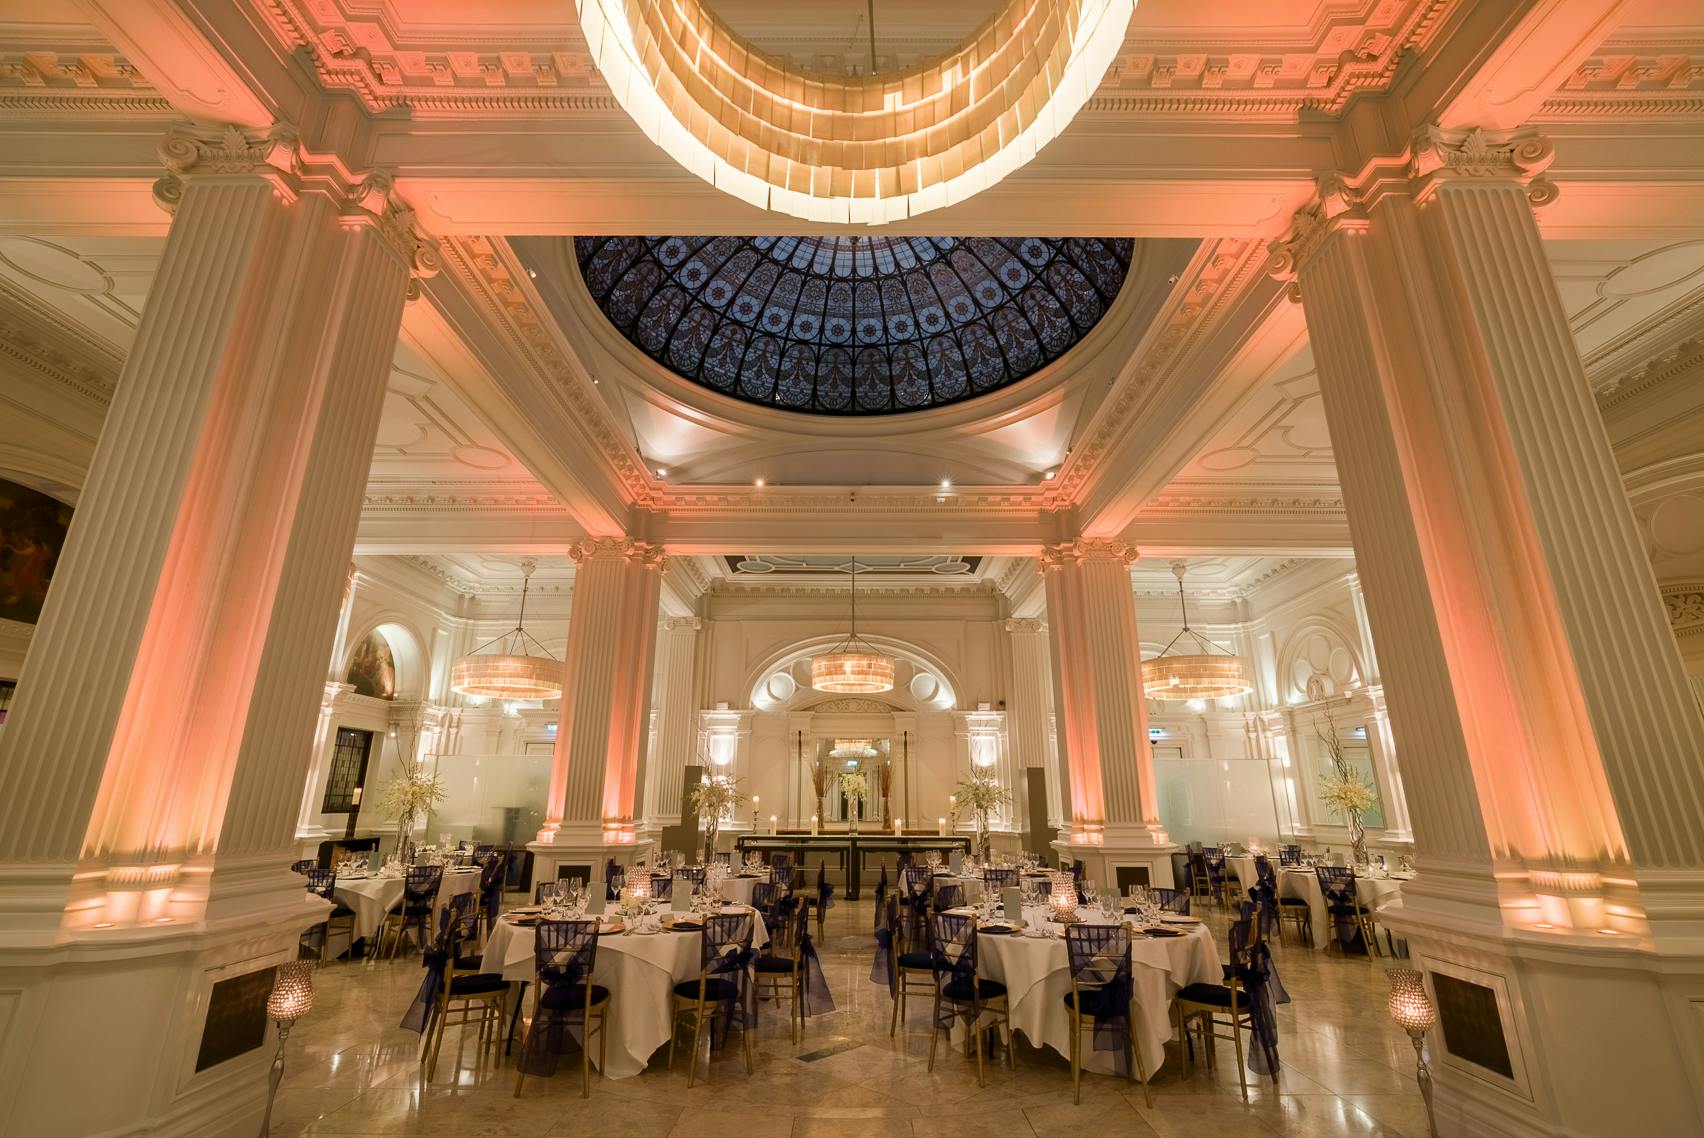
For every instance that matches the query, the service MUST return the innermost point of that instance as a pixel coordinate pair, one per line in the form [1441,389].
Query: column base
[1142,854]
[1556,1033]
[137,1007]
[582,849]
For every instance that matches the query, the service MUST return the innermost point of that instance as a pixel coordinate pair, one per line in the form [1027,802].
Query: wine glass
[1088,890]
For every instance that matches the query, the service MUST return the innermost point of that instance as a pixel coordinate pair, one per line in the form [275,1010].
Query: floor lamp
[1412,1009]
[292,998]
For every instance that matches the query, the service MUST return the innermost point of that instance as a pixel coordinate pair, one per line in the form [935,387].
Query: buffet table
[855,855]
[639,969]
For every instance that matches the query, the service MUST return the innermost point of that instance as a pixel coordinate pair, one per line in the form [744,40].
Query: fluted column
[1026,709]
[676,721]
[1103,716]
[596,776]
[181,654]
[1549,748]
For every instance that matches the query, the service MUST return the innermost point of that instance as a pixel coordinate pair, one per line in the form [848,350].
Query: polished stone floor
[1347,1070]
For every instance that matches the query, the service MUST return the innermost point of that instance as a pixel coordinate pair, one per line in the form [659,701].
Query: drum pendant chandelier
[853,667]
[863,149]
[512,672]
[1193,675]
[853,749]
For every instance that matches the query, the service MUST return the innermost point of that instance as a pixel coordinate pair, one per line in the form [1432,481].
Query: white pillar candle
[898,826]
[772,830]
[941,826]
[813,825]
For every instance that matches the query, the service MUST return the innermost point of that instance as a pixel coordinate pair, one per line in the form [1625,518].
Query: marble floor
[1347,1070]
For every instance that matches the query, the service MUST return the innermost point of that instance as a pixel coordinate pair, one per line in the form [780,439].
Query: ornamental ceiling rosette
[867,149]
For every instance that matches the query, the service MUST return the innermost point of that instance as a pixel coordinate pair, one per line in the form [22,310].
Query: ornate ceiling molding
[1225,271]
[87,369]
[1684,603]
[1631,84]
[53,81]
[724,587]
[458,72]
[1683,360]
[1244,500]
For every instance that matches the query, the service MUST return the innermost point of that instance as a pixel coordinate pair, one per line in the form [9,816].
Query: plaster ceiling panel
[1279,434]
[1204,576]
[95,284]
[1629,294]
[491,573]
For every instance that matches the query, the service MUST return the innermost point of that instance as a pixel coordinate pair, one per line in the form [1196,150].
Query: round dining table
[639,969]
[1037,976]
[1373,891]
[372,896]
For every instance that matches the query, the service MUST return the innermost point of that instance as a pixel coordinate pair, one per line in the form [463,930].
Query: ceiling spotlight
[533,273]
[758,483]
[662,472]
[946,483]
[1048,476]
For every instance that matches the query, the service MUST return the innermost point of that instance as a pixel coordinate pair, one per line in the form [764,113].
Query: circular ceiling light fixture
[853,667]
[514,671]
[862,149]
[853,749]
[1193,675]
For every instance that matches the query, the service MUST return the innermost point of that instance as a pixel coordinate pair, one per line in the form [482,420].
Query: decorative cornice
[1085,549]
[1244,503]
[1225,272]
[644,553]
[851,705]
[419,501]
[1683,360]
[1635,83]
[1684,603]
[24,344]
[731,588]
[276,154]
[496,282]
[50,81]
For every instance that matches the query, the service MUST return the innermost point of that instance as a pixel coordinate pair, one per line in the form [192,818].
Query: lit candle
[898,826]
[355,797]
[813,825]
[941,826]
[772,830]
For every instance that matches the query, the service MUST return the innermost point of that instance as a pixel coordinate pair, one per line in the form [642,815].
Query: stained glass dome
[853,325]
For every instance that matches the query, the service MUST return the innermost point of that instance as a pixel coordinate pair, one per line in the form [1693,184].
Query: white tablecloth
[1037,977]
[640,971]
[1373,892]
[373,897]
[737,890]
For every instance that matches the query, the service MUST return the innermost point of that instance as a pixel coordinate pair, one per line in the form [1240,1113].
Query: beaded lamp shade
[521,669]
[1204,674]
[292,991]
[860,149]
[1409,1004]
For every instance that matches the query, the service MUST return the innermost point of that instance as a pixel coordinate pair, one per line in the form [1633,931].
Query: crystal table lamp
[1062,901]
[1412,1009]
[292,998]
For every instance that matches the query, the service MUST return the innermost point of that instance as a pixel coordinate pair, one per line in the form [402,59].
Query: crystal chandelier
[1193,675]
[511,672]
[853,749]
[861,149]
[853,666]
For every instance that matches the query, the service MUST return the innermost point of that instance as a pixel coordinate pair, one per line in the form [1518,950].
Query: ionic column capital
[682,624]
[1061,554]
[644,553]
[1434,157]
[1027,624]
[276,155]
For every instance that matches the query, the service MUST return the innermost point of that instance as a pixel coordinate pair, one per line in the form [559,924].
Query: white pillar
[1026,711]
[1103,715]
[151,771]
[676,709]
[596,781]
[1549,746]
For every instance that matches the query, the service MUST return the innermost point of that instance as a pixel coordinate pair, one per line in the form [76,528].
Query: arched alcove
[781,681]
[411,666]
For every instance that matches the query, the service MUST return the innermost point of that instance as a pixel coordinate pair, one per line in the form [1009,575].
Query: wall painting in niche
[32,532]
[372,669]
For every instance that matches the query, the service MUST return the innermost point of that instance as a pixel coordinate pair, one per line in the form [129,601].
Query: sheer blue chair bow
[567,1008]
[450,997]
[323,883]
[1100,1000]
[796,977]
[1246,1001]
[1351,921]
[905,969]
[918,882]
[824,896]
[414,911]
[1172,900]
[493,871]
[960,994]
[721,995]
[881,895]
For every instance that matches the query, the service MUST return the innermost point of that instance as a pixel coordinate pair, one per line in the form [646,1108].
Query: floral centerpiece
[714,798]
[855,785]
[1346,793]
[981,795]
[407,798]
